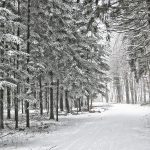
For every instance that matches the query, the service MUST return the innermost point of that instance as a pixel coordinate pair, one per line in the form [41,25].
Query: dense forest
[51,57]
[56,55]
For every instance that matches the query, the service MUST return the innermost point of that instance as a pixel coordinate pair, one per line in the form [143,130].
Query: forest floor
[117,127]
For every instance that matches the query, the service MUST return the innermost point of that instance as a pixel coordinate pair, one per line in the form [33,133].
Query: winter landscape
[74,75]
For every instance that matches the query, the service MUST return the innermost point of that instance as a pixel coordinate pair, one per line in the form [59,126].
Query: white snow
[122,127]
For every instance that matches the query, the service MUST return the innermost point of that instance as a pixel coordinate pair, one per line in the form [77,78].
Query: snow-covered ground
[121,127]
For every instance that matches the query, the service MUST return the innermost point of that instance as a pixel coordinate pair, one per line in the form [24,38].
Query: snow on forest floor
[121,127]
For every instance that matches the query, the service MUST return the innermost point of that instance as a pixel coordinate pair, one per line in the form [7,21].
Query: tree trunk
[61,100]
[40,95]
[51,97]
[16,101]
[118,88]
[141,96]
[27,114]
[1,109]
[22,108]
[107,99]
[79,102]
[148,7]
[1,90]
[148,86]
[57,98]
[28,51]
[88,103]
[48,101]
[144,90]
[132,90]
[135,92]
[16,106]
[46,97]
[8,103]
[91,102]
[67,102]
[127,89]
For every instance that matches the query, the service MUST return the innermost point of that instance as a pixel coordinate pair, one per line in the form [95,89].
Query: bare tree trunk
[118,88]
[107,99]
[67,102]
[141,97]
[132,90]
[144,90]
[79,102]
[57,98]
[48,100]
[127,89]
[88,102]
[8,103]
[22,104]
[1,90]
[51,97]
[135,92]
[40,95]
[148,7]
[28,51]
[16,101]
[148,85]
[1,109]
[16,107]
[61,100]
[46,97]
[91,102]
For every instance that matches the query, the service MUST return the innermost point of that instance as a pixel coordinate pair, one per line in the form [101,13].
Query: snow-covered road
[122,127]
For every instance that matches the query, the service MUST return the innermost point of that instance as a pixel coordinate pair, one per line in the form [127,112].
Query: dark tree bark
[1,90]
[96,2]
[82,101]
[79,103]
[88,103]
[148,84]
[132,90]
[57,98]
[40,95]
[127,89]
[17,66]
[61,100]
[107,99]
[118,88]
[22,104]
[91,105]
[16,108]
[135,92]
[28,51]
[46,97]
[141,94]
[1,109]
[8,103]
[67,102]
[51,97]
[144,90]
[148,7]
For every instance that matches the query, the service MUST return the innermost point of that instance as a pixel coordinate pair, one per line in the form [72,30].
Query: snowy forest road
[122,127]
